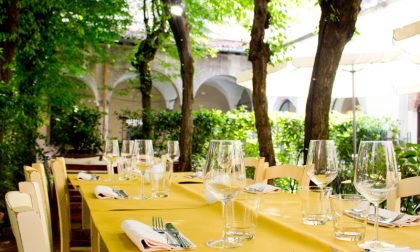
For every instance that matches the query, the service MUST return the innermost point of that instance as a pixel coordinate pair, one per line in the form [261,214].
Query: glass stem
[224,234]
[142,185]
[321,199]
[110,170]
[376,222]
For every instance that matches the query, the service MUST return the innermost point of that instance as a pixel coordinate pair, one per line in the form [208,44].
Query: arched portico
[220,92]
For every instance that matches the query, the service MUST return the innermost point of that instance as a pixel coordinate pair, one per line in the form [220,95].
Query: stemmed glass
[321,162]
[322,169]
[375,177]
[111,154]
[143,160]
[224,177]
[173,152]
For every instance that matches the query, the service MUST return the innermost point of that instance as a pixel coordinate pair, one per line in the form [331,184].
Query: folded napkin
[106,192]
[261,188]
[144,237]
[195,175]
[86,176]
[389,218]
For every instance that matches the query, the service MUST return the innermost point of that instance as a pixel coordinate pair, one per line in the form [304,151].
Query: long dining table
[279,225]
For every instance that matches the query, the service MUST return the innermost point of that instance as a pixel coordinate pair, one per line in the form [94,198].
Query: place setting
[375,177]
[159,236]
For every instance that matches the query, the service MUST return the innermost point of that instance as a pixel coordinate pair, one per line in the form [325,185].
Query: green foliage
[408,159]
[287,130]
[54,39]
[77,130]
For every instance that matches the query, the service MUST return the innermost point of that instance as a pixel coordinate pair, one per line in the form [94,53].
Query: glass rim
[314,187]
[224,140]
[376,141]
[347,196]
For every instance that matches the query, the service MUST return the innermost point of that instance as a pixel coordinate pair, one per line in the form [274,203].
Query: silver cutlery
[173,231]
[157,225]
[121,194]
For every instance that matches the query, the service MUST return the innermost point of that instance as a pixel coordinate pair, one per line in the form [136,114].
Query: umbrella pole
[354,117]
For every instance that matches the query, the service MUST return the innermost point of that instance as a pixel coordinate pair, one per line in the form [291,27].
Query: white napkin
[86,176]
[106,192]
[198,174]
[261,188]
[144,237]
[398,219]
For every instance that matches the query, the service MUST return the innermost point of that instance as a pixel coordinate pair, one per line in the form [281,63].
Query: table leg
[85,215]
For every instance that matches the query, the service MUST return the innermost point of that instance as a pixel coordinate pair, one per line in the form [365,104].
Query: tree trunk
[8,45]
[155,29]
[145,77]
[181,32]
[259,55]
[336,28]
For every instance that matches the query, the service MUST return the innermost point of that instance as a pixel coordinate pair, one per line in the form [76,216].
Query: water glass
[160,179]
[143,160]
[349,213]
[241,216]
[314,204]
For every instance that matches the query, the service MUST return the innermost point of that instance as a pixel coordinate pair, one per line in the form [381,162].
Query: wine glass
[143,160]
[111,154]
[173,152]
[375,177]
[224,177]
[322,168]
[321,162]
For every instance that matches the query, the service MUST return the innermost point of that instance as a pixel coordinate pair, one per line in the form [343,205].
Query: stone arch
[285,104]
[90,82]
[219,92]
[246,100]
[344,105]
[161,82]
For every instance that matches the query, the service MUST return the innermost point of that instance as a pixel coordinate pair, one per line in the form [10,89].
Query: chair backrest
[259,164]
[26,224]
[287,171]
[38,205]
[63,201]
[36,174]
[406,187]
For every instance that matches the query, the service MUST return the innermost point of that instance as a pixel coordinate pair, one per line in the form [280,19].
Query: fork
[157,225]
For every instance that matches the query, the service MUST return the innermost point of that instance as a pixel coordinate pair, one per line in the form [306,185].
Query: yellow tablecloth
[279,224]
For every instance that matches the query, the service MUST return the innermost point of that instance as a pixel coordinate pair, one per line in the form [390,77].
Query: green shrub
[408,159]
[288,134]
[77,130]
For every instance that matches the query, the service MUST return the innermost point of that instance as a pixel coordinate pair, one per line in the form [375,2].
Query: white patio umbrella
[371,65]
[385,75]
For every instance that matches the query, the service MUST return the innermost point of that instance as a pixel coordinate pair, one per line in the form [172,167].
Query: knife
[171,229]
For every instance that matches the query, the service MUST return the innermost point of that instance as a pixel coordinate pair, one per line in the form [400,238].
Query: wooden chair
[27,226]
[287,171]
[259,164]
[406,187]
[63,204]
[36,174]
